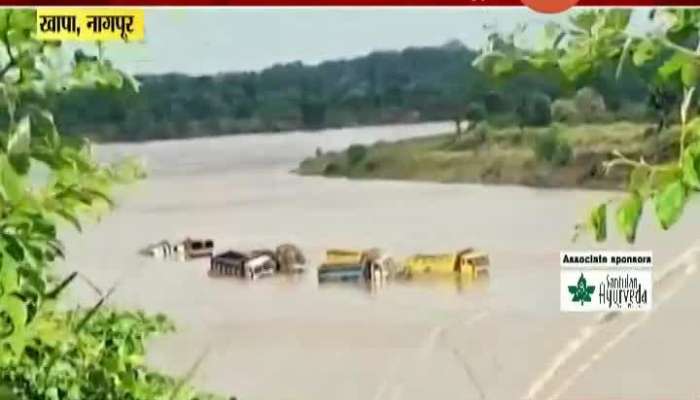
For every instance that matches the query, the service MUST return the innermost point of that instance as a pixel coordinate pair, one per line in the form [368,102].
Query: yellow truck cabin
[341,256]
[467,261]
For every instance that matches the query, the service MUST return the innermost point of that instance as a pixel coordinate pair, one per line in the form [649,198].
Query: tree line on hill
[412,85]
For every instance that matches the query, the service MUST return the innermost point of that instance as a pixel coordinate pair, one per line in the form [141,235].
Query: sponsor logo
[581,291]
[591,282]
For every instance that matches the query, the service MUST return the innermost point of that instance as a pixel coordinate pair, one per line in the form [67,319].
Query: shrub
[475,112]
[356,153]
[535,110]
[564,110]
[371,165]
[496,103]
[332,169]
[540,110]
[563,154]
[551,147]
[481,131]
[590,104]
[503,120]
[633,112]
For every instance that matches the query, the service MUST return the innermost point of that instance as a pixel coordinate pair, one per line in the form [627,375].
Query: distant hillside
[415,84]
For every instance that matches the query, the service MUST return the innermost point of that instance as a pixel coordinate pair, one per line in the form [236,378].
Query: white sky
[200,41]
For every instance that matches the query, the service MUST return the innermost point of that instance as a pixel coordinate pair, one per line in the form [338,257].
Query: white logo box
[623,290]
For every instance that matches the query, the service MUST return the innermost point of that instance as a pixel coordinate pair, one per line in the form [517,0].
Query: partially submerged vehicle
[286,258]
[371,265]
[184,250]
[162,249]
[196,248]
[289,258]
[233,263]
[469,262]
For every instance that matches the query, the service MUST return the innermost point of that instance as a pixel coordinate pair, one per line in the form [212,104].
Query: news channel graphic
[90,24]
[595,281]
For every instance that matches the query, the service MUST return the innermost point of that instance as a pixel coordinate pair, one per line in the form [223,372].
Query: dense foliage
[667,56]
[48,351]
[415,84]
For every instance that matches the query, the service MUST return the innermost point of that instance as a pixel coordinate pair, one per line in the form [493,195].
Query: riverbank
[500,156]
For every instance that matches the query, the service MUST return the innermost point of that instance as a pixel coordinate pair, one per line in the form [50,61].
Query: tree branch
[6,42]
[683,50]
[621,159]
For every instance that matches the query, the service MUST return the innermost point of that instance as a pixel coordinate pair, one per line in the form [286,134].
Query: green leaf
[584,20]
[4,19]
[693,127]
[45,127]
[495,64]
[99,195]
[689,74]
[639,180]
[113,78]
[628,215]
[553,35]
[575,64]
[9,278]
[34,278]
[503,66]
[618,19]
[691,166]
[673,66]
[11,183]
[645,51]
[669,203]
[131,83]
[15,309]
[7,394]
[23,19]
[52,394]
[19,139]
[663,176]
[598,222]
[69,217]
[50,331]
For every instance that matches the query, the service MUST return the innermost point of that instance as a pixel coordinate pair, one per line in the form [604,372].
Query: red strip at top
[473,3]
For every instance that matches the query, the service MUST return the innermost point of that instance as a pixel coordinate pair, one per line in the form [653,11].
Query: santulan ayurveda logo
[606,281]
[581,291]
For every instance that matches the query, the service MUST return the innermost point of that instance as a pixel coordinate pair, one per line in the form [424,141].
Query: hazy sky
[203,41]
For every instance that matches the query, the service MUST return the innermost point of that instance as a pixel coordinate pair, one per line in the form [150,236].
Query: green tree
[581,49]
[425,83]
[46,350]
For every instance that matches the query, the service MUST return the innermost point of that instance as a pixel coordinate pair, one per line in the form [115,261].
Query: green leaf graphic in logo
[582,292]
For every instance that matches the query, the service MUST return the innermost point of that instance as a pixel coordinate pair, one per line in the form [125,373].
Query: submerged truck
[286,258]
[251,266]
[467,262]
[184,250]
[371,265]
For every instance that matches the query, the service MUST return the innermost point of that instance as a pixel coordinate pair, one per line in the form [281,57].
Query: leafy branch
[579,50]
[46,351]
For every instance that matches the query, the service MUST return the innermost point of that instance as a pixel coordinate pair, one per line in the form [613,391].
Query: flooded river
[287,338]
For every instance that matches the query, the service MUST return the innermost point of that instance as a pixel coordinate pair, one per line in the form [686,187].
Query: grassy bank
[532,157]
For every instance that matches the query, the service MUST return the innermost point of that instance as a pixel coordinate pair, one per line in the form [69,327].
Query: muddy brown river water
[287,338]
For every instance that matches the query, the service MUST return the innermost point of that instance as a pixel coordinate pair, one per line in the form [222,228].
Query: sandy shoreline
[288,339]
